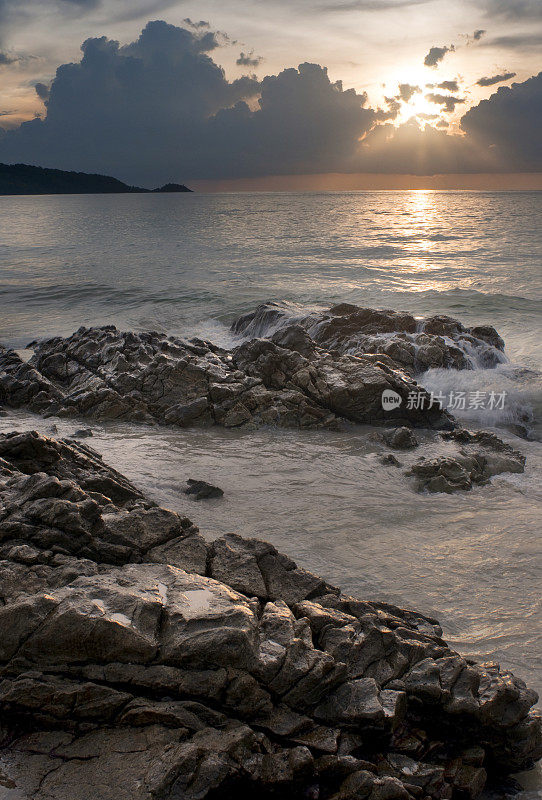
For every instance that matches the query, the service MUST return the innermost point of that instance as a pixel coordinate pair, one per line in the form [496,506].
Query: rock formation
[101,373]
[481,456]
[319,371]
[140,662]
[415,345]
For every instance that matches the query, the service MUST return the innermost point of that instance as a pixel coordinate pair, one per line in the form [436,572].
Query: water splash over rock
[415,345]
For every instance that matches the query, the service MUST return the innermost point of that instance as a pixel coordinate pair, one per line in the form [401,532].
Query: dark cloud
[5,59]
[160,109]
[477,35]
[304,123]
[493,79]
[448,86]
[249,60]
[510,122]
[515,9]
[391,112]
[407,91]
[43,91]
[448,101]
[436,54]
[198,26]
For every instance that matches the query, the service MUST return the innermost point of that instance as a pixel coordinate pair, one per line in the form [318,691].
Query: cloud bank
[510,123]
[493,79]
[161,109]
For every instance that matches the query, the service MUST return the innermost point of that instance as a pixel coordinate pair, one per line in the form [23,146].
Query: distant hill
[24,179]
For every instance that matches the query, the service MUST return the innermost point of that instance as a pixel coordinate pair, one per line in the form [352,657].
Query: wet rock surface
[400,439]
[414,345]
[201,490]
[290,381]
[139,661]
[481,456]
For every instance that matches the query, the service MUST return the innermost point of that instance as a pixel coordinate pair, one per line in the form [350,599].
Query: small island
[25,179]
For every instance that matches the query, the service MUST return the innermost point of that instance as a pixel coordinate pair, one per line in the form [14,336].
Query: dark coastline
[23,179]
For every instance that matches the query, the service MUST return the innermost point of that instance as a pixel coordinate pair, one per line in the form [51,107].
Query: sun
[419,78]
[418,106]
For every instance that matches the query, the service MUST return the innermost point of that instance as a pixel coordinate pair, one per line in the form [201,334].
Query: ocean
[190,264]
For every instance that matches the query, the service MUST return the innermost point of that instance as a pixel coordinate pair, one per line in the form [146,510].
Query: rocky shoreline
[324,370]
[140,661]
[315,371]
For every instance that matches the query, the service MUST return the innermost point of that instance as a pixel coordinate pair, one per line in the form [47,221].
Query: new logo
[390,400]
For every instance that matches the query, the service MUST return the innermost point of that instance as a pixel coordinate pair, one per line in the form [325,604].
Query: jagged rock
[257,569]
[449,474]
[32,453]
[64,502]
[137,661]
[101,373]
[467,468]
[415,345]
[400,438]
[202,490]
[350,386]
[294,337]
[360,702]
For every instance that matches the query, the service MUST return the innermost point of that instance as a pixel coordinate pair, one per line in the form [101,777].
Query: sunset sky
[213,92]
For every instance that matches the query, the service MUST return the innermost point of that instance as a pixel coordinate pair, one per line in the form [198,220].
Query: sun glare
[419,106]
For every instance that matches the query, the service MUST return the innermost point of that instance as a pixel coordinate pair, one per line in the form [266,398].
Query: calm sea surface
[189,264]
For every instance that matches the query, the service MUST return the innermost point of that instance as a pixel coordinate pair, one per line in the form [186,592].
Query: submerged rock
[450,473]
[468,467]
[389,460]
[139,661]
[101,373]
[82,433]
[202,490]
[400,439]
